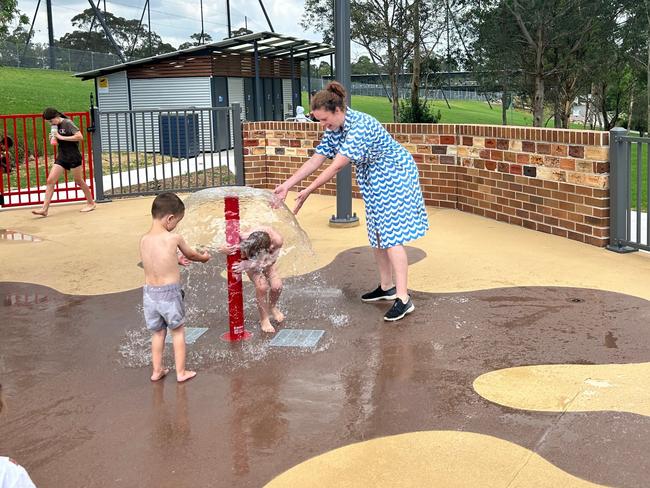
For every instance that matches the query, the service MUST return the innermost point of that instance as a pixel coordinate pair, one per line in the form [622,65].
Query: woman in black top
[68,158]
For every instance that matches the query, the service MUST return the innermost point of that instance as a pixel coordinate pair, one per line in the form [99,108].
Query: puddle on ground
[17,236]
[610,340]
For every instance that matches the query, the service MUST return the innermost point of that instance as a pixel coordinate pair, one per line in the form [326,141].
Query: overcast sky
[176,20]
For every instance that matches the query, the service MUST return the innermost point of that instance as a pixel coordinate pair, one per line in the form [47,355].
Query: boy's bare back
[158,250]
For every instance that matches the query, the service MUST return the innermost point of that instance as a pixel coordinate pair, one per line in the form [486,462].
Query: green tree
[12,21]
[636,41]
[242,31]
[197,40]
[382,27]
[495,58]
[129,35]
[394,33]
[364,66]
[324,69]
[553,32]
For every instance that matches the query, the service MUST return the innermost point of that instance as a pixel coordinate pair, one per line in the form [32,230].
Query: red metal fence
[26,157]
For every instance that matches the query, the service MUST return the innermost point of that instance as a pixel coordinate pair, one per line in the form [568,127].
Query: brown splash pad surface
[81,415]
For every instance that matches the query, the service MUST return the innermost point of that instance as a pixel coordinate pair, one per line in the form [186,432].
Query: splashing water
[206,299]
[204,224]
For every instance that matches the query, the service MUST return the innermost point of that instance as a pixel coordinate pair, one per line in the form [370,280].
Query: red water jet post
[235,293]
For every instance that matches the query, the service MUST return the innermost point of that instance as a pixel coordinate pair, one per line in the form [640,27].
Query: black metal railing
[141,152]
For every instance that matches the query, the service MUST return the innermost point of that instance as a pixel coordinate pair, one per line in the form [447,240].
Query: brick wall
[550,180]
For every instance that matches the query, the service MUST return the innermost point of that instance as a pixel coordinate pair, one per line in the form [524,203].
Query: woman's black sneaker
[399,310]
[380,294]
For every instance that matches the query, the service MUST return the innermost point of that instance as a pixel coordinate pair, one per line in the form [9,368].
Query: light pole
[344,216]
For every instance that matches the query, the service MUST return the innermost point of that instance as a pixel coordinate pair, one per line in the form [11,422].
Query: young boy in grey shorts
[162,295]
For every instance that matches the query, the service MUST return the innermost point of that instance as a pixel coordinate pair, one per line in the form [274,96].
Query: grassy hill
[29,91]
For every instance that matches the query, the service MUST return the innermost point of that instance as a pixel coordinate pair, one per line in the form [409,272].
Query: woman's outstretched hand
[300,199]
[279,194]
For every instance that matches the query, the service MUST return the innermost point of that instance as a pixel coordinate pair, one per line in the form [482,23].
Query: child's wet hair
[259,241]
[167,204]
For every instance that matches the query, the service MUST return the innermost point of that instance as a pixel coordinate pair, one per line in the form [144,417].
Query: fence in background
[26,157]
[378,90]
[38,56]
[142,152]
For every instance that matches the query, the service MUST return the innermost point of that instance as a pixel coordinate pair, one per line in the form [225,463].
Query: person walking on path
[68,158]
[388,179]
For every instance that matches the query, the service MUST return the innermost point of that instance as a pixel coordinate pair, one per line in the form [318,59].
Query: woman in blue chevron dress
[388,179]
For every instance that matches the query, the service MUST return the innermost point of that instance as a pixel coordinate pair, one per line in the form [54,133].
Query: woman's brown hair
[331,97]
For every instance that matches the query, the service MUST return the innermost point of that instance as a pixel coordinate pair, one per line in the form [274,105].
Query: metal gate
[629,188]
[144,152]
[26,157]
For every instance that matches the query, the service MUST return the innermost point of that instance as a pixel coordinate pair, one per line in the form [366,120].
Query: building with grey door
[260,71]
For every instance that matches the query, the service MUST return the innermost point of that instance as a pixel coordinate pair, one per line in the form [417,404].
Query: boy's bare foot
[266,326]
[41,212]
[88,207]
[159,375]
[277,315]
[187,375]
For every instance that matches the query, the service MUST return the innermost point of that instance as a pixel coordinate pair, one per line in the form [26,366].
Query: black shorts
[68,166]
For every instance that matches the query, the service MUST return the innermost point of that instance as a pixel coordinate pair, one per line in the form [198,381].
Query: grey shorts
[163,306]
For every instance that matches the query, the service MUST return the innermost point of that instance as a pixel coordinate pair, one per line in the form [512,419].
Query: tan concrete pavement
[97,253]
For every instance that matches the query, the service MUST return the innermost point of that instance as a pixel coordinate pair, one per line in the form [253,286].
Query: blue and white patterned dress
[386,175]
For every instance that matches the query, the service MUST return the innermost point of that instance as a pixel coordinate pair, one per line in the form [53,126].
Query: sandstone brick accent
[551,180]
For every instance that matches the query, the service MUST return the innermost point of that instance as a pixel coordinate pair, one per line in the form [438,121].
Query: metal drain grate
[297,338]
[191,334]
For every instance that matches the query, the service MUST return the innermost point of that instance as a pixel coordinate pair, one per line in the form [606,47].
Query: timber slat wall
[231,65]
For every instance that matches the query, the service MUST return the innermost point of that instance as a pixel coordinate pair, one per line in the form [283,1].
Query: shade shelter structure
[261,71]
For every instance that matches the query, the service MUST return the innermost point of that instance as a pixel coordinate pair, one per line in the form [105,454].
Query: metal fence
[38,56]
[378,90]
[26,157]
[141,152]
[629,187]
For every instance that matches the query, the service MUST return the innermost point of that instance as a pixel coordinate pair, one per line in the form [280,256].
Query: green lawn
[29,91]
[634,183]
[461,111]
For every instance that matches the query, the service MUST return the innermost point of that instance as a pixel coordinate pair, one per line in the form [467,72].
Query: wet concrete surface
[82,412]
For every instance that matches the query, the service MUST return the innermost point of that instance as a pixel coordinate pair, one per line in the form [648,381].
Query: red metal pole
[2,175]
[19,186]
[36,168]
[235,292]
[26,154]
